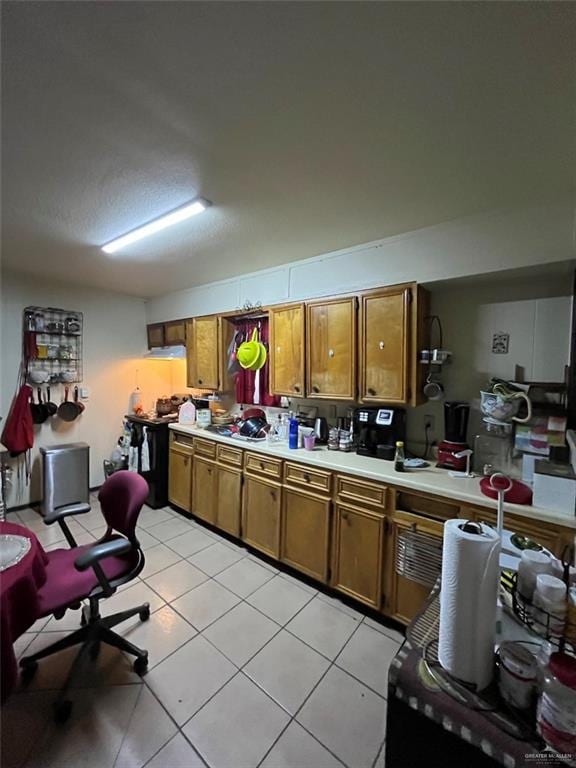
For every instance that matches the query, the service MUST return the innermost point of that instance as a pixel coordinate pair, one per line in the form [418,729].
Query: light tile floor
[248,667]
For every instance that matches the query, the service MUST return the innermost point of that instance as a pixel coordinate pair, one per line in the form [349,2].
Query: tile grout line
[240,670]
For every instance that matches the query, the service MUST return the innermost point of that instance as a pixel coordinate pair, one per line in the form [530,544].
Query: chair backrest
[121,499]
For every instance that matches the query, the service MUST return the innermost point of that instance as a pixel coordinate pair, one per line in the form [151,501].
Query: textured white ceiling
[311,126]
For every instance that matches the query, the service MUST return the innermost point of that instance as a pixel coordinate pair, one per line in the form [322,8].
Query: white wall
[114,341]
[474,245]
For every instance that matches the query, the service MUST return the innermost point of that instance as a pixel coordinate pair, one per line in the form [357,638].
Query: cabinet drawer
[305,477]
[228,455]
[360,491]
[263,466]
[204,448]
[180,440]
[428,506]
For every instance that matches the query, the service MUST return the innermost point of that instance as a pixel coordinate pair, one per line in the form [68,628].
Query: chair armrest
[99,551]
[70,509]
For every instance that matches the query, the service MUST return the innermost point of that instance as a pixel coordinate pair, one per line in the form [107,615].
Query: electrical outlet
[429,422]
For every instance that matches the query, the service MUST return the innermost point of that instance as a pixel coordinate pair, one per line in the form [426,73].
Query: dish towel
[132,459]
[145,454]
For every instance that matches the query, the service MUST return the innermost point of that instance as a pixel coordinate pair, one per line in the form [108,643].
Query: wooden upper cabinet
[175,333]
[202,337]
[331,349]
[155,333]
[287,350]
[391,335]
[385,345]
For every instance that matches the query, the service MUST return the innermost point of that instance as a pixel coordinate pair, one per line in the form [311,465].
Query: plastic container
[518,670]
[293,433]
[187,413]
[556,714]
[549,606]
[309,442]
[531,564]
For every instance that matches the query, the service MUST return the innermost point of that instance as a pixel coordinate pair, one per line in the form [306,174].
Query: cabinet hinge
[386,525]
[409,297]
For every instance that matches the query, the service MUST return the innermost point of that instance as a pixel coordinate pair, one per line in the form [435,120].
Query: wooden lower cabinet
[261,508]
[420,541]
[204,480]
[358,553]
[553,537]
[229,499]
[305,536]
[180,478]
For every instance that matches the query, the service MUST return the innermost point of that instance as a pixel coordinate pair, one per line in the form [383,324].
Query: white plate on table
[12,549]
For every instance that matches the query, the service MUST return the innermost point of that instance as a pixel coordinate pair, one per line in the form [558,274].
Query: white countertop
[428,480]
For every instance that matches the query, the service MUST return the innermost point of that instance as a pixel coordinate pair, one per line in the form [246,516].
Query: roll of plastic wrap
[468,595]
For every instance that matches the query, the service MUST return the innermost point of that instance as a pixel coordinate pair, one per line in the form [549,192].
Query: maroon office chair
[93,572]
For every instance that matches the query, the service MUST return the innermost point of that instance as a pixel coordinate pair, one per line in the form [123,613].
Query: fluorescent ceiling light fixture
[174,217]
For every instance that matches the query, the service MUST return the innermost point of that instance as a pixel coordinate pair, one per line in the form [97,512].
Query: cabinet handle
[331,353]
[209,470]
[381,345]
[306,477]
[345,517]
[296,388]
[199,381]
[186,461]
[315,388]
[371,391]
[273,494]
[262,465]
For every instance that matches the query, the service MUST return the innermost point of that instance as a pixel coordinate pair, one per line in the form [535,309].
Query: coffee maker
[377,430]
[456,415]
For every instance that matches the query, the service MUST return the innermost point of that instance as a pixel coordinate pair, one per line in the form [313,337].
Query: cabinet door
[203,351]
[229,500]
[385,346]
[155,334]
[331,349]
[180,478]
[175,332]
[204,489]
[414,563]
[261,515]
[358,553]
[287,350]
[305,532]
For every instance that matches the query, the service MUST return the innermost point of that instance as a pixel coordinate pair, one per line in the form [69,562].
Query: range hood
[177,352]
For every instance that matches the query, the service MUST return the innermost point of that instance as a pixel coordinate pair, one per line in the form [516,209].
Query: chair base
[95,630]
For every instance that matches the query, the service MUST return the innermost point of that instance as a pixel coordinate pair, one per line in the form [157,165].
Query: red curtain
[245,379]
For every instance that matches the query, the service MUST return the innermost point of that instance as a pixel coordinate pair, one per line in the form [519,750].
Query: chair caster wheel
[28,670]
[62,711]
[94,651]
[141,665]
[145,612]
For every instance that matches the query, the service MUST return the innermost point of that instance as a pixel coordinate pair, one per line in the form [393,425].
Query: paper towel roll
[469,590]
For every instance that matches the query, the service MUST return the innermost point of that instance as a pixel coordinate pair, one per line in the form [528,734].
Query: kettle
[321,430]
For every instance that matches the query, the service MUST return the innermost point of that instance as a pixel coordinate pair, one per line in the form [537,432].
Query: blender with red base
[456,415]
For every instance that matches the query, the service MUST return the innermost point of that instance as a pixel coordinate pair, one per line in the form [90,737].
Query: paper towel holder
[470,526]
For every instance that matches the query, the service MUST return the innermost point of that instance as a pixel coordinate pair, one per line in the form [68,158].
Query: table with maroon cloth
[19,600]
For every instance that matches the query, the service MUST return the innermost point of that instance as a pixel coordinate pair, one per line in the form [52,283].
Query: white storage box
[555,487]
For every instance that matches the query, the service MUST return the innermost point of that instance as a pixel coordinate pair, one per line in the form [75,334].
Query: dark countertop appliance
[456,415]
[377,430]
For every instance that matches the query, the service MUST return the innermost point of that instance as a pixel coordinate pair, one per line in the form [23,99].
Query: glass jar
[556,717]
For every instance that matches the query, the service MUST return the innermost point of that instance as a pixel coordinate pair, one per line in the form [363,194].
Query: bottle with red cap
[557,705]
